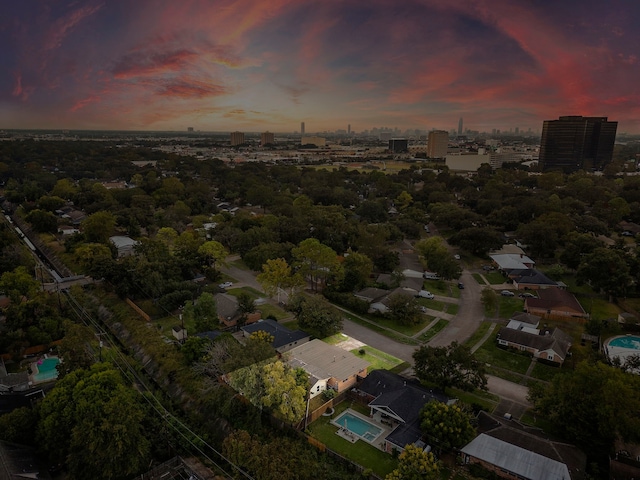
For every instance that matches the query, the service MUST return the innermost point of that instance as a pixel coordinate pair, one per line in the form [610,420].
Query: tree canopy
[451,366]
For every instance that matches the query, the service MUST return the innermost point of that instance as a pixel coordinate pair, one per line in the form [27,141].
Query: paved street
[460,328]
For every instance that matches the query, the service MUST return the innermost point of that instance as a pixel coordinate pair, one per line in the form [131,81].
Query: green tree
[193,349]
[42,221]
[605,270]
[98,227]
[246,305]
[404,309]
[490,301]
[438,258]
[317,262]
[18,284]
[282,393]
[213,252]
[277,277]
[478,240]
[577,245]
[93,258]
[447,426]
[19,426]
[357,270]
[316,316]
[92,422]
[451,366]
[415,464]
[75,348]
[205,313]
[592,406]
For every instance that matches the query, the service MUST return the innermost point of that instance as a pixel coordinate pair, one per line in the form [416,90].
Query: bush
[362,351]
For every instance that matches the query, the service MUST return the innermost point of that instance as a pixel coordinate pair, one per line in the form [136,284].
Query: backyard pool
[46,369]
[623,347]
[358,425]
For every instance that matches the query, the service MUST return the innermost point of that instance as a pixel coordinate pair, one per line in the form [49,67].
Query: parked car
[456,256]
[431,276]
[487,268]
[461,285]
[507,293]
[426,294]
[226,285]
[527,295]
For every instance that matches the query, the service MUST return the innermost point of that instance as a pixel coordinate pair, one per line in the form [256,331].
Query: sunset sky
[254,65]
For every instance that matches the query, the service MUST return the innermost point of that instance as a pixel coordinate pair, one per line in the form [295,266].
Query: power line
[130,373]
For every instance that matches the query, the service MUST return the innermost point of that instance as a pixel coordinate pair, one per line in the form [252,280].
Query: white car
[507,293]
[226,285]
[426,294]
[456,256]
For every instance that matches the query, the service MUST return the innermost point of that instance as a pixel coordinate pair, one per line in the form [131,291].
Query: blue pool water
[359,426]
[47,370]
[626,342]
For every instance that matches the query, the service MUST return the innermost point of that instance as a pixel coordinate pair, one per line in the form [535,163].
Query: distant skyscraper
[301,128]
[573,143]
[437,144]
[190,129]
[460,126]
[349,129]
[266,138]
[398,145]
[237,138]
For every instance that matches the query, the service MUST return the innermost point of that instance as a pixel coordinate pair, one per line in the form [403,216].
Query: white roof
[515,459]
[324,361]
[511,261]
[122,241]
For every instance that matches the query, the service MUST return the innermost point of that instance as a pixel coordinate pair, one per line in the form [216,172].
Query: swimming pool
[358,425]
[623,347]
[46,369]
[626,342]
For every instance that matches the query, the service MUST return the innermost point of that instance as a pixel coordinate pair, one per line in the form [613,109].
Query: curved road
[460,328]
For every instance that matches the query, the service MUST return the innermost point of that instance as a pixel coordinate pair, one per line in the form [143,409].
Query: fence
[138,310]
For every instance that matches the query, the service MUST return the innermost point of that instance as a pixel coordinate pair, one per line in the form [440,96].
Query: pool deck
[622,353]
[352,437]
[35,370]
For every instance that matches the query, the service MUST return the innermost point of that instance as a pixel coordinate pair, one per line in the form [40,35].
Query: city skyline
[248,65]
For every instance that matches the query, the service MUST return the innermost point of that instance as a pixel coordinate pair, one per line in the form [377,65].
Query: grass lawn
[407,330]
[487,400]
[376,328]
[478,278]
[335,339]
[495,278]
[530,418]
[509,305]
[360,452]
[599,308]
[546,372]
[505,374]
[438,287]
[452,308]
[490,353]
[429,334]
[478,334]
[433,304]
[378,360]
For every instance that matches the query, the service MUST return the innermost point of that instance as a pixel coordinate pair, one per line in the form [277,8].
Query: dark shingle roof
[281,335]
[555,299]
[530,276]
[405,398]
[555,340]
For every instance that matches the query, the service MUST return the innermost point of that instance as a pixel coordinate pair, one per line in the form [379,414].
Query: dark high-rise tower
[302,132]
[573,143]
[460,127]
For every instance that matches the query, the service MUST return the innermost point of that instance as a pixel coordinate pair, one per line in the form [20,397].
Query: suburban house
[396,402]
[229,313]
[378,298]
[555,304]
[283,338]
[511,452]
[530,279]
[328,366]
[625,464]
[124,245]
[522,334]
[512,261]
